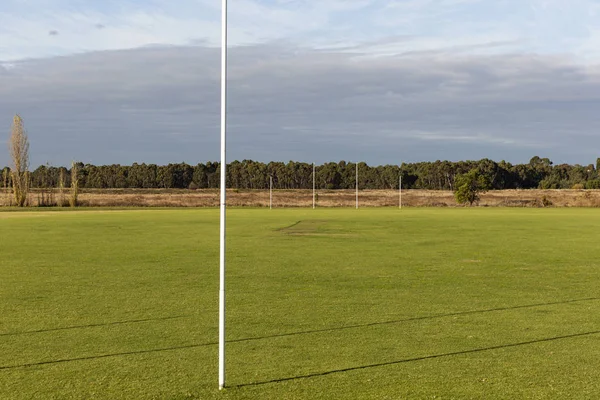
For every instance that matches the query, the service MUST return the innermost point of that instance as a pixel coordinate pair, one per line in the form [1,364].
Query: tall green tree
[469,186]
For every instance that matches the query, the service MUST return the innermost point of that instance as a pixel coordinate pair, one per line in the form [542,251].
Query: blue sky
[372,79]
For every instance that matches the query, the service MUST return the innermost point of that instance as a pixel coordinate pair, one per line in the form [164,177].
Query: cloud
[514,26]
[380,80]
[161,104]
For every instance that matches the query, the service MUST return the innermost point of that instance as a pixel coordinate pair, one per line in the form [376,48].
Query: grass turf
[322,304]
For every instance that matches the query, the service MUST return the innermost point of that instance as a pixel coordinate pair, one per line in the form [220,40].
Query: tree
[6,182]
[469,186]
[19,152]
[61,187]
[73,198]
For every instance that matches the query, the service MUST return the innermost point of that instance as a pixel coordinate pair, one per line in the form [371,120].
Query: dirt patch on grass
[305,227]
[313,227]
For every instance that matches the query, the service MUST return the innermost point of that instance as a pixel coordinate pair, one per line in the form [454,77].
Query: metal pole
[223,195]
[357,185]
[271,193]
[314,186]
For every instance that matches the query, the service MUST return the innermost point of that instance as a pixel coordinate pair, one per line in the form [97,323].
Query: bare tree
[19,152]
[74,184]
[61,187]
[46,189]
[5,180]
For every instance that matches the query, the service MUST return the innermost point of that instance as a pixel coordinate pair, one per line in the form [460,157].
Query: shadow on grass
[422,358]
[66,328]
[397,321]
[191,346]
[97,357]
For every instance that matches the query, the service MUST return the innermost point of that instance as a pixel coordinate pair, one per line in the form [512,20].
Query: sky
[381,81]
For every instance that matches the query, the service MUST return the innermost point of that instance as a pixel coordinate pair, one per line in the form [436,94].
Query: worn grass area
[344,304]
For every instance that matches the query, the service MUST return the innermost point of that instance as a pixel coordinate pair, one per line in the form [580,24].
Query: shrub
[546,202]
[593,184]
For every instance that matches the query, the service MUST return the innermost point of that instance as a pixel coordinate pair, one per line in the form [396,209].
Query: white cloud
[541,26]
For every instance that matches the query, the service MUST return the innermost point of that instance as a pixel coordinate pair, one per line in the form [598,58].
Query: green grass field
[322,304]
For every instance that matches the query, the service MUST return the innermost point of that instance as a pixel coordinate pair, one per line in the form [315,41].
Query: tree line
[247,174]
